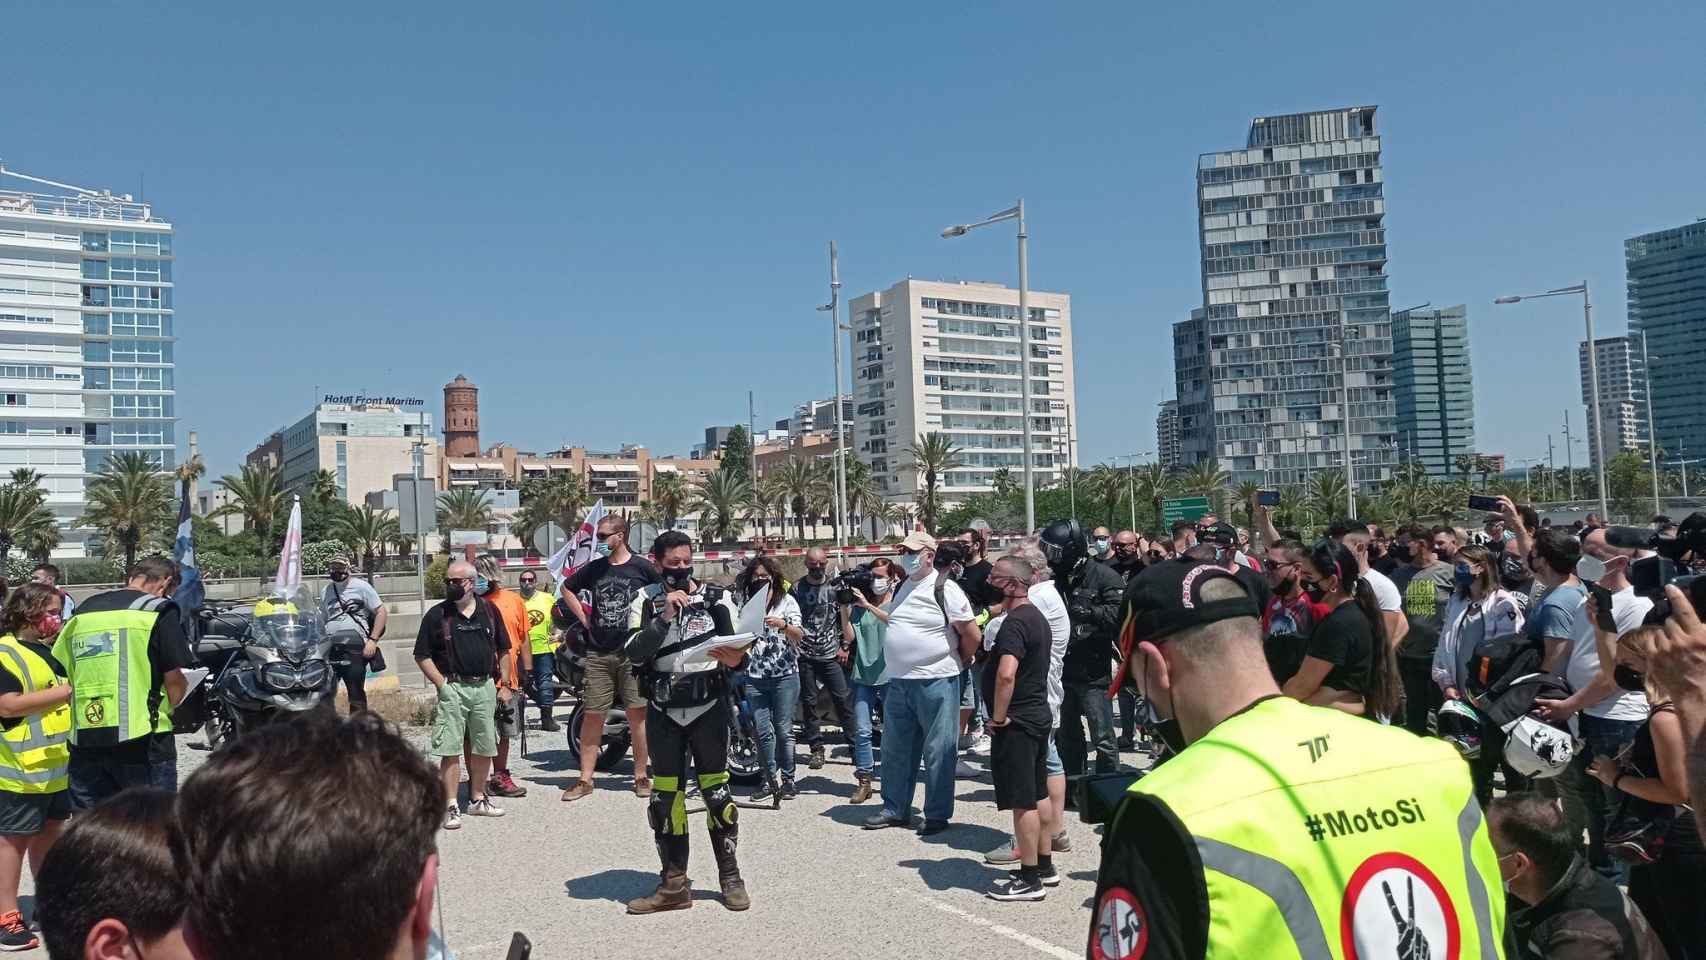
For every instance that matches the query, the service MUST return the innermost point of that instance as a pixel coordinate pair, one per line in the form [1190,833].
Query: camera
[845,583]
[1676,559]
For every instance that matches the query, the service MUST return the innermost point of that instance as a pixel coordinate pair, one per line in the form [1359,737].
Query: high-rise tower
[461,418]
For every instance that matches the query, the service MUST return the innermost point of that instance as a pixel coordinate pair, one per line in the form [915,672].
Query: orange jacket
[513,609]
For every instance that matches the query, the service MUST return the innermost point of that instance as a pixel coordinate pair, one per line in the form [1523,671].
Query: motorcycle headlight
[312,674]
[278,676]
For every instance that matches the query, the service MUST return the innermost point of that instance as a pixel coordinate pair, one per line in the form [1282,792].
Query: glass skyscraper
[1295,311]
[86,341]
[1667,302]
[1433,387]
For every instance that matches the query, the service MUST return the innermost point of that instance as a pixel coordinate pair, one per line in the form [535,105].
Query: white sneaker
[962,771]
[452,818]
[980,746]
[484,807]
[966,740]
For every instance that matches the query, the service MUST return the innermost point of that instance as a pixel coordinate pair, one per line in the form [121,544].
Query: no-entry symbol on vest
[1396,909]
[1122,928]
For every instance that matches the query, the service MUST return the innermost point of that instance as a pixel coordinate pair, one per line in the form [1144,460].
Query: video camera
[1677,557]
[859,578]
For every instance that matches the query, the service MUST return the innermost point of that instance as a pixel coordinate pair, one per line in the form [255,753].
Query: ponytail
[1384,685]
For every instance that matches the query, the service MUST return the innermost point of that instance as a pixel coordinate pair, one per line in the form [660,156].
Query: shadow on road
[969,838]
[820,784]
[620,886]
[986,795]
[959,873]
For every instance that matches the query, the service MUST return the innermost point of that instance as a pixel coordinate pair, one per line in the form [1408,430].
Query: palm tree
[767,500]
[23,517]
[932,455]
[25,477]
[1293,509]
[192,469]
[719,499]
[1484,467]
[323,486]
[1003,482]
[40,544]
[257,495]
[128,501]
[1154,482]
[860,492]
[1247,500]
[464,509]
[1206,477]
[1327,494]
[1110,486]
[671,494]
[1465,464]
[366,530]
[804,484]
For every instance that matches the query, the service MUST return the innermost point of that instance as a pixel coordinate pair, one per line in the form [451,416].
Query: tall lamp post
[1652,438]
[1017,212]
[1593,379]
[1131,484]
[833,309]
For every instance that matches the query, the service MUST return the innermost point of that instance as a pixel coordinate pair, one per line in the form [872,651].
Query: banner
[191,591]
[290,558]
[580,549]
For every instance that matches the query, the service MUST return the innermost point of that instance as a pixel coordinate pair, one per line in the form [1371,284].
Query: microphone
[1629,538]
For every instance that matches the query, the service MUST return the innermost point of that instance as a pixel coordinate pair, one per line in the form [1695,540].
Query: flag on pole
[191,591]
[290,558]
[575,553]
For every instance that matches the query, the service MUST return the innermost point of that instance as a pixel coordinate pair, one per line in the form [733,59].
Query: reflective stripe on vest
[1468,824]
[34,757]
[36,737]
[105,654]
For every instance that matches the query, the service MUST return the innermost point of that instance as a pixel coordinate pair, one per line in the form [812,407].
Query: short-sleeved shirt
[168,649]
[867,659]
[1426,592]
[773,654]
[1385,591]
[538,620]
[475,644]
[613,587]
[349,607]
[1563,616]
[917,645]
[1628,610]
[1025,635]
[1345,639]
[818,619]
[513,609]
[9,682]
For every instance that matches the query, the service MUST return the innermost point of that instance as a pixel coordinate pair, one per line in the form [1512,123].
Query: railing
[83,207]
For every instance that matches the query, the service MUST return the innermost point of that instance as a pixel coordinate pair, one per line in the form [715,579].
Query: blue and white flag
[191,592]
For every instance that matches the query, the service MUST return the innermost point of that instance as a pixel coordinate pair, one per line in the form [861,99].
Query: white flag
[580,547]
[290,558]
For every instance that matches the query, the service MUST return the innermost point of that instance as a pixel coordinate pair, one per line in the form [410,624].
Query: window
[97,378]
[130,268]
[95,324]
[141,241]
[130,406]
[94,269]
[139,351]
[140,378]
[95,241]
[94,296]
[140,325]
[13,400]
[149,298]
[96,351]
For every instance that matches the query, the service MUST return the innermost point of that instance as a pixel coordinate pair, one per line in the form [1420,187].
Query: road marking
[1001,929]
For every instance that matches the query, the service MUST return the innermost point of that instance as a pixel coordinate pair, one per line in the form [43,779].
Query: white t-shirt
[917,645]
[1385,591]
[1628,610]
[1045,597]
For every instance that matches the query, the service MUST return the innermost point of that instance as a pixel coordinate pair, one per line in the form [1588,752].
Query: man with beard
[820,652]
[1290,614]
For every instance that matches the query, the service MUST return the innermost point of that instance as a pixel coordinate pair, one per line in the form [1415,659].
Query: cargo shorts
[465,710]
[607,675]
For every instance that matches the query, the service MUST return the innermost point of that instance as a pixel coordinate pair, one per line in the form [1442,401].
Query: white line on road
[1035,943]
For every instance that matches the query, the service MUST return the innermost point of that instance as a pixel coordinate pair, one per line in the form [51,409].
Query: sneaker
[1009,855]
[966,740]
[1014,886]
[980,746]
[14,935]
[581,790]
[453,818]
[883,820]
[549,725]
[789,791]
[965,771]
[1637,843]
[1049,879]
[484,807]
[1062,843]
[816,761]
[764,794]
[933,827]
[503,785]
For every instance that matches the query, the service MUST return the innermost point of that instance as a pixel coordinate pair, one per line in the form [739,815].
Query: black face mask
[338,576]
[455,591]
[1401,552]
[816,573]
[1170,734]
[1284,587]
[1629,678]
[677,578]
[1512,569]
[1315,592]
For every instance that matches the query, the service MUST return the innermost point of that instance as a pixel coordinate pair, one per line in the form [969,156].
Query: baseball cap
[336,558]
[918,540]
[1166,598]
[1222,533]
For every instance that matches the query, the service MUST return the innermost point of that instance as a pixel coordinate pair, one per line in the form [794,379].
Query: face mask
[1629,678]
[1512,568]
[677,578]
[880,585]
[1590,569]
[1401,552]
[602,550]
[1102,545]
[455,591]
[1284,587]
[816,573]
[1463,576]
[909,562]
[528,589]
[1315,592]
[482,586]
[338,576]
[49,624]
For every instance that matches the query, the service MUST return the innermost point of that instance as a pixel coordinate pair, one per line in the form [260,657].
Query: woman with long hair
[1481,613]
[1347,663]
[1657,833]
[773,675]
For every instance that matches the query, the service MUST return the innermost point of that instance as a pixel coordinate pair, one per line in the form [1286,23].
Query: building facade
[1622,394]
[86,342]
[1295,338]
[818,416]
[461,418]
[1433,386]
[1167,435]
[933,356]
[363,445]
[1667,303]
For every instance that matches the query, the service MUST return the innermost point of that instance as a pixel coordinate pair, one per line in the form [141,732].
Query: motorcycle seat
[210,645]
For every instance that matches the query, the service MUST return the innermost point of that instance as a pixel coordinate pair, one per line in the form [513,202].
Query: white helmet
[1460,725]
[1535,748]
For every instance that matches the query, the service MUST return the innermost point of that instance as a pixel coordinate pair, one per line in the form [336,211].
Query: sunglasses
[606,536]
[458,579]
[528,581]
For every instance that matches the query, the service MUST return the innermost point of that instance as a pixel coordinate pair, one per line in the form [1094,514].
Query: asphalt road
[821,886]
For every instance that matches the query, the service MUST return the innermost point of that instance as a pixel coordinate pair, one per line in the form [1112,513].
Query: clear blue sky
[613,217]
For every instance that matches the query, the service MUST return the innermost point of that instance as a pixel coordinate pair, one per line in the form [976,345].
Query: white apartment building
[939,356]
[363,444]
[86,340]
[1622,394]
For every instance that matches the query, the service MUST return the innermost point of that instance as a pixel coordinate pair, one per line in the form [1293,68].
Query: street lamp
[840,479]
[1017,212]
[1652,438]
[1131,483]
[1593,378]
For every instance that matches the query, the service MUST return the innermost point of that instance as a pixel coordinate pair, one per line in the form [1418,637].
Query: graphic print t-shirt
[613,587]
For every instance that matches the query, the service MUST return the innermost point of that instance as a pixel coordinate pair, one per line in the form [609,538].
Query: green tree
[256,495]
[806,485]
[464,509]
[1206,477]
[366,531]
[672,494]
[1465,464]
[1154,483]
[26,477]
[128,502]
[767,500]
[23,517]
[720,499]
[1111,486]
[1327,495]
[1246,496]
[933,455]
[1004,482]
[1293,511]
[323,487]
[737,454]
[557,499]
[1627,478]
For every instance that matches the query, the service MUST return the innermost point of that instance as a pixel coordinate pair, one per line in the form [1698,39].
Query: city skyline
[641,207]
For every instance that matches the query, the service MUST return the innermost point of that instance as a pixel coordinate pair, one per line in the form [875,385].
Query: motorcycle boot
[674,892]
[722,815]
[863,791]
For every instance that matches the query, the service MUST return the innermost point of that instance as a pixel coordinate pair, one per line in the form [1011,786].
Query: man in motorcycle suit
[687,712]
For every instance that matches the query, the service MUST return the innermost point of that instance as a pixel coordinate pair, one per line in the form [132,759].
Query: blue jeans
[1087,700]
[773,702]
[94,777]
[866,700]
[1587,802]
[921,720]
[544,682]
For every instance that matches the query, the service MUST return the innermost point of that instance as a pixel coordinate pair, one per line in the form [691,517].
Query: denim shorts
[970,678]
[1051,760]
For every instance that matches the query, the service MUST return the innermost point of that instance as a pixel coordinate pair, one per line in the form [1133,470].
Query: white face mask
[880,585]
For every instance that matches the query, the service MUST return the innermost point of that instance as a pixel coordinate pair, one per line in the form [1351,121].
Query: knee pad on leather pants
[661,812]
[720,807]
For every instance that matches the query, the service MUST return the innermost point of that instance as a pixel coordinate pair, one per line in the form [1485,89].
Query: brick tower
[461,418]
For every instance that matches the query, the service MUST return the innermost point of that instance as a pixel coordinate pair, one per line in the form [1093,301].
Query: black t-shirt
[476,642]
[974,580]
[1345,639]
[613,587]
[168,649]
[1025,635]
[1643,759]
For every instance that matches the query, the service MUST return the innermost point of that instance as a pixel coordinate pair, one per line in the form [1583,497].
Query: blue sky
[613,217]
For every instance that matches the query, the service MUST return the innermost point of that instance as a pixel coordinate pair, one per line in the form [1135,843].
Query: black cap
[1222,533]
[1166,598]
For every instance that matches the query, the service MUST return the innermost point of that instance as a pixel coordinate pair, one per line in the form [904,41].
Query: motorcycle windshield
[289,621]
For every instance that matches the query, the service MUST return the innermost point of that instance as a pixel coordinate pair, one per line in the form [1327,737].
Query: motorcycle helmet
[1064,546]
[1460,725]
[1535,748]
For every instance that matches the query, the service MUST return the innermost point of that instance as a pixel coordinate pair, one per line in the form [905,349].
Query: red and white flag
[290,558]
[581,547]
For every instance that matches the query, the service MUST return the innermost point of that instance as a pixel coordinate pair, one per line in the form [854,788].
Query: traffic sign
[546,539]
[1174,509]
[468,538]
